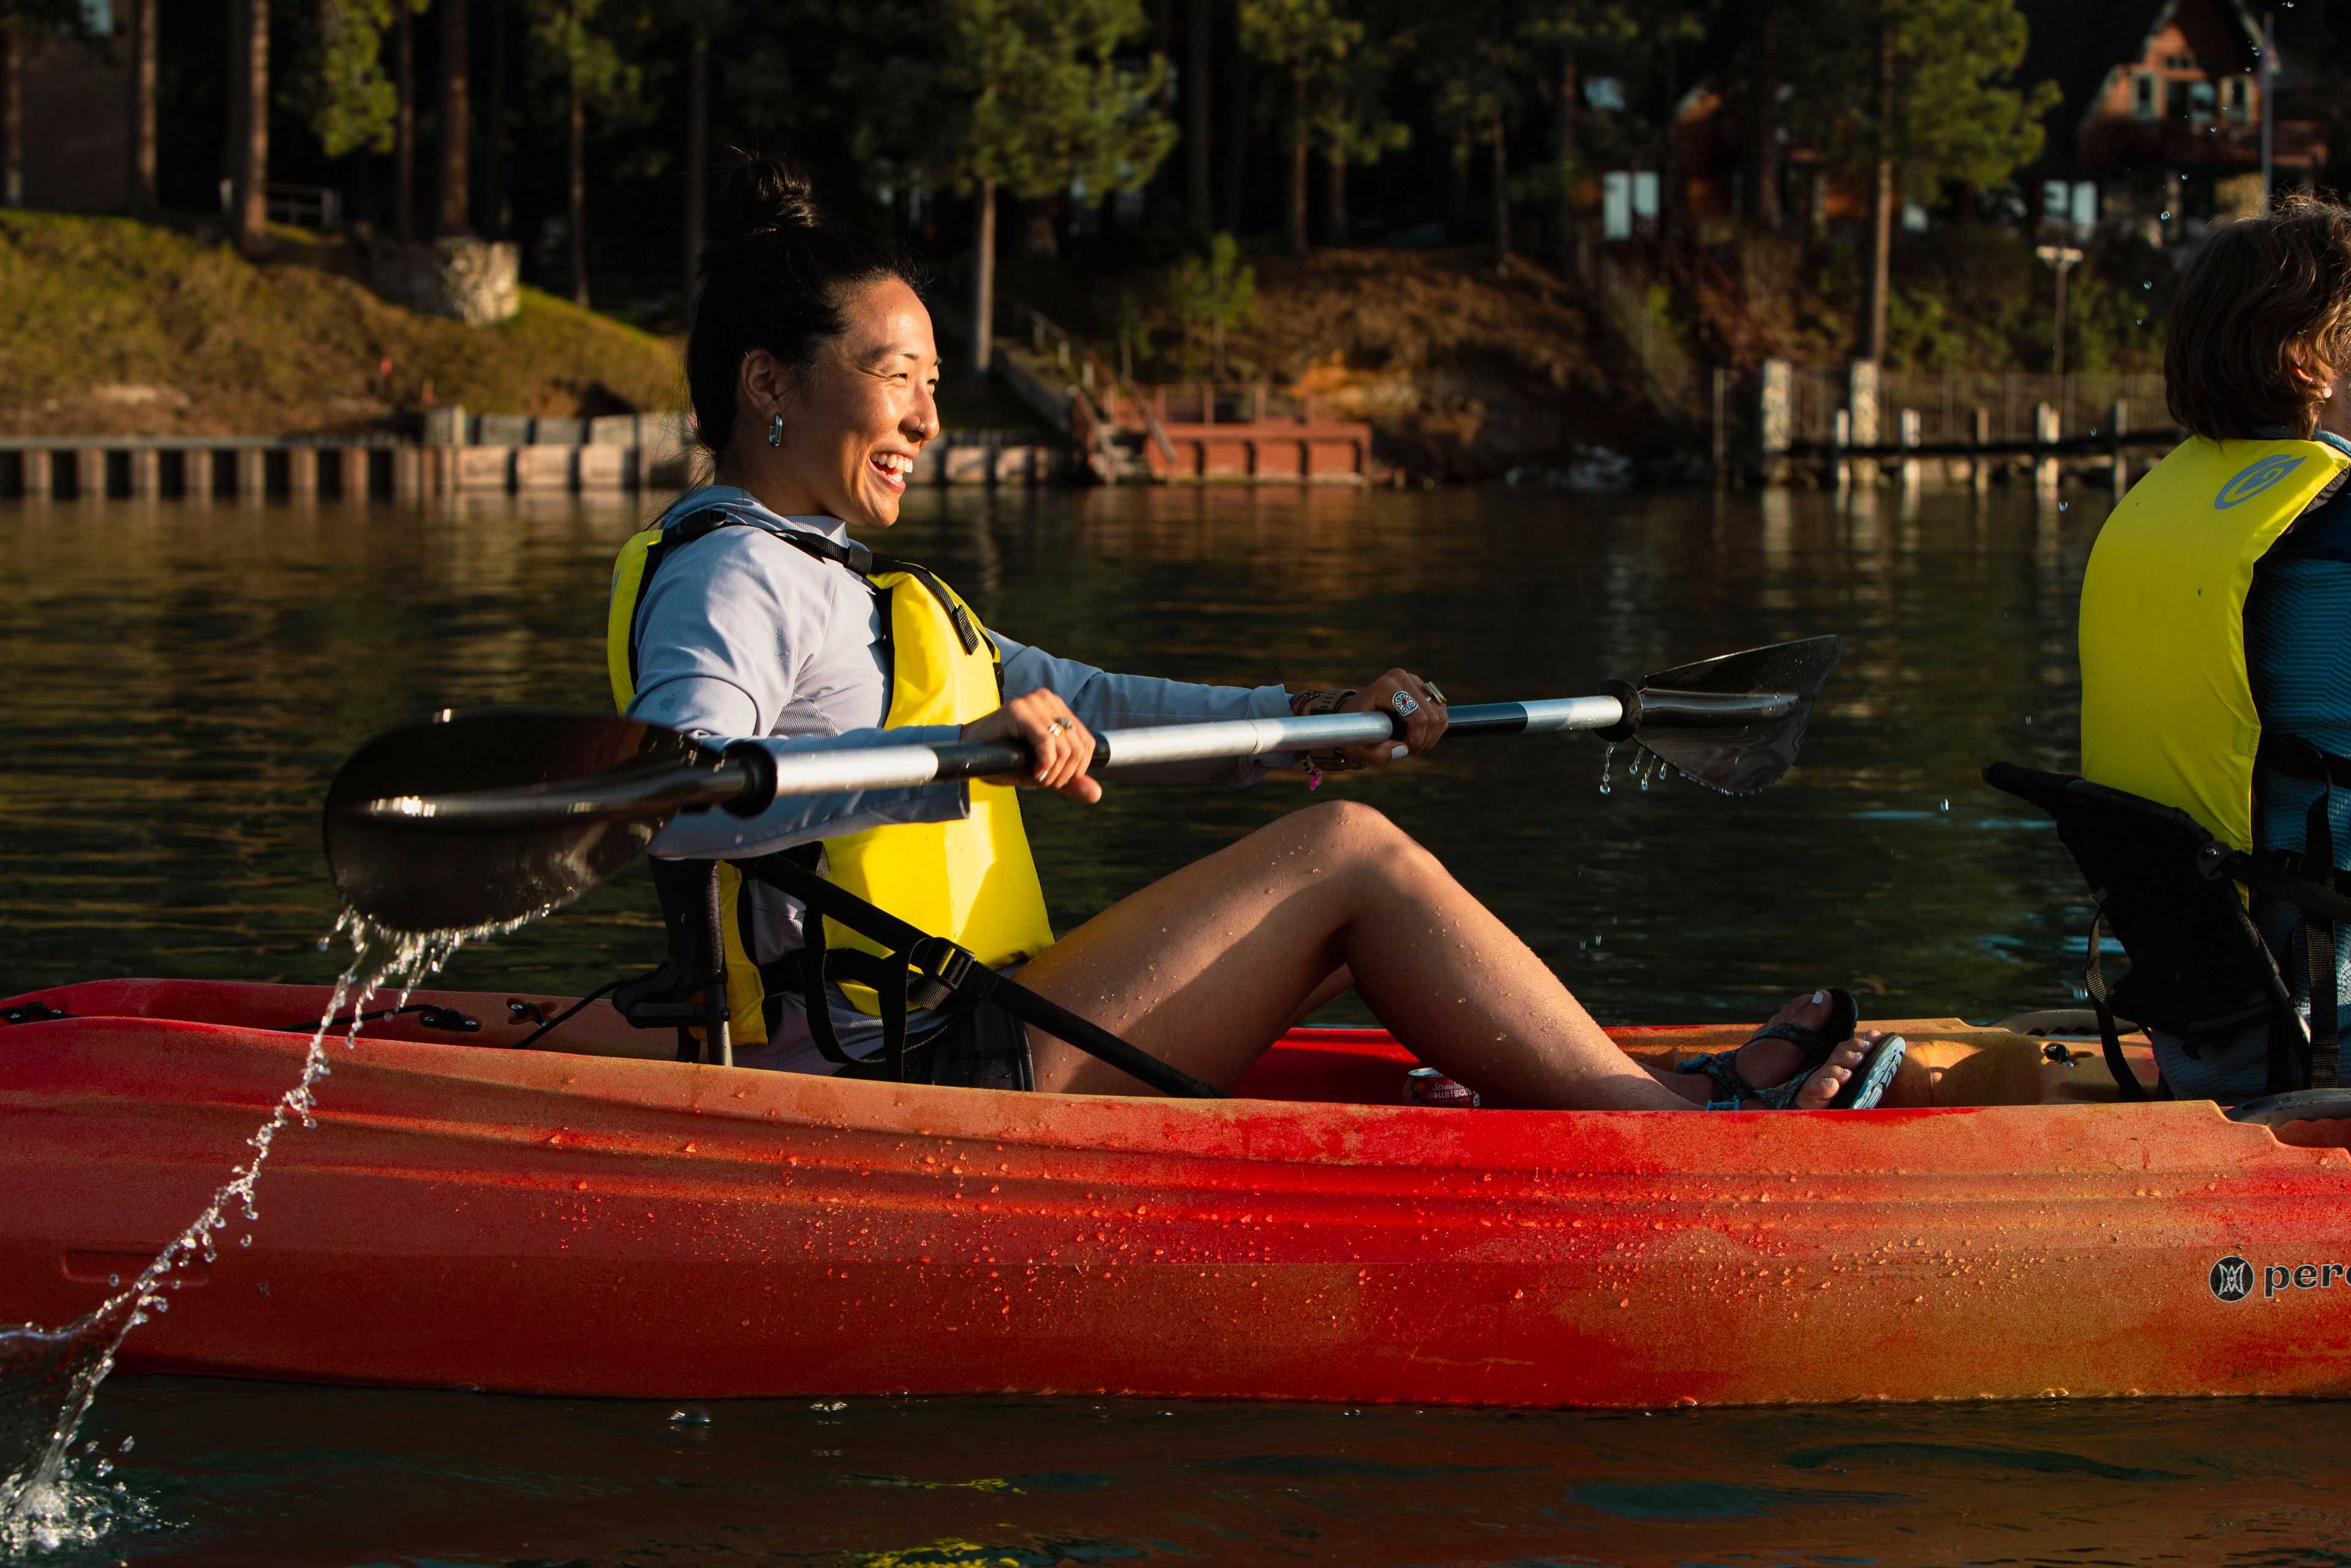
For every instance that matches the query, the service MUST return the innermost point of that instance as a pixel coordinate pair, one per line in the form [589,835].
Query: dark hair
[772,277]
[2265,294]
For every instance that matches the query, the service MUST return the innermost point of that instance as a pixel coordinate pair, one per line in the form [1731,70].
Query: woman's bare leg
[1204,968]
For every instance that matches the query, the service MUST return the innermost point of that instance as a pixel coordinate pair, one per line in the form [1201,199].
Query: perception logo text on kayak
[2234,1278]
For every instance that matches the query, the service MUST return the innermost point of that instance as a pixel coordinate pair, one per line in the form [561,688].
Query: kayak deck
[562,1221]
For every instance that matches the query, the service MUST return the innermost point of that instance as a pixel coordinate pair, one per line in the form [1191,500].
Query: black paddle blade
[425,874]
[1739,760]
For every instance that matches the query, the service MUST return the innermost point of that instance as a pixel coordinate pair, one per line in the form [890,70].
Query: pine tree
[576,52]
[1352,125]
[24,26]
[1308,42]
[1042,101]
[1906,97]
[1568,37]
[1476,65]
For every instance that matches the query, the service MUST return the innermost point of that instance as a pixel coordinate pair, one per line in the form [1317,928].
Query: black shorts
[982,1047]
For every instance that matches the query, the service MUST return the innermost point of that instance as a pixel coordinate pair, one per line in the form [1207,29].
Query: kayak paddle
[472,819]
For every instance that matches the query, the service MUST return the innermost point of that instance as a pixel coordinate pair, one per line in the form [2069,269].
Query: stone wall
[474,281]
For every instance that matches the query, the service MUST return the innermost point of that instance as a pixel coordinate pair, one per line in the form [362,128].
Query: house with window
[2158,132]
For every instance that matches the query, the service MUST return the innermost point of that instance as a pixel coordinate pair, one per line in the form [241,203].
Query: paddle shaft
[750,774]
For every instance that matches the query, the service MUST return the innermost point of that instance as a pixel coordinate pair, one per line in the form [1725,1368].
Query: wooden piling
[1907,428]
[407,473]
[302,472]
[1840,437]
[196,480]
[1980,466]
[2046,428]
[40,474]
[350,467]
[252,473]
[146,473]
[2117,423]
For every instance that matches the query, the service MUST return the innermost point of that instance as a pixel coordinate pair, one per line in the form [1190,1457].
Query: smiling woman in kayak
[746,613]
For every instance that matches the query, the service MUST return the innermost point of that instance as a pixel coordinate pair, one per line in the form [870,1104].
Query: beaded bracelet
[1304,705]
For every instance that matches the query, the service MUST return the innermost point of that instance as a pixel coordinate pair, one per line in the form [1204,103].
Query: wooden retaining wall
[204,468]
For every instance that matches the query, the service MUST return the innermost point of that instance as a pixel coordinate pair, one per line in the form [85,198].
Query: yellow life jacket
[971,881]
[2167,707]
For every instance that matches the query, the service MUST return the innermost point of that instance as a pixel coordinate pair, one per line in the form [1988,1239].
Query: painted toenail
[1820,996]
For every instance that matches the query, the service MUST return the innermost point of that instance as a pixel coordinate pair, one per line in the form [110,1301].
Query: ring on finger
[1436,695]
[1058,726]
[1403,705]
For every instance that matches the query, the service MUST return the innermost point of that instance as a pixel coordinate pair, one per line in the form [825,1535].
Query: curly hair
[2266,296]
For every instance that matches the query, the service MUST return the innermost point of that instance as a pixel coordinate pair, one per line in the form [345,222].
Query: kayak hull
[546,1221]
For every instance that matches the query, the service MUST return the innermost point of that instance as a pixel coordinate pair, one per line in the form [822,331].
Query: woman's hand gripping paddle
[467,820]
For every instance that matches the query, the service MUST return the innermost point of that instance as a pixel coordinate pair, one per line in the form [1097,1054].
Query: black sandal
[1731,1088]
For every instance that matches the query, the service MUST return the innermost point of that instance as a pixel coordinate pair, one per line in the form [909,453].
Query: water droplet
[1606,758]
[1946,803]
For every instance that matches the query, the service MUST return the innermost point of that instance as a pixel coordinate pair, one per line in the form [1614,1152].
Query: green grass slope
[110,327]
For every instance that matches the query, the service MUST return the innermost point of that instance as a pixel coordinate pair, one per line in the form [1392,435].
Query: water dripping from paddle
[1607,759]
[55,1498]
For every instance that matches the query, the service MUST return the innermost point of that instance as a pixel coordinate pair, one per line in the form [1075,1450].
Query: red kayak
[576,1218]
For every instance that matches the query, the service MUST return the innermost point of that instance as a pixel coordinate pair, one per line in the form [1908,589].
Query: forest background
[1395,196]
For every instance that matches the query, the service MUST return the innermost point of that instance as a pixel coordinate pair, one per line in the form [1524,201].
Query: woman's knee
[1350,831]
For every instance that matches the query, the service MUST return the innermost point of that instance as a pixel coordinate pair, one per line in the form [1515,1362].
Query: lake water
[182,682]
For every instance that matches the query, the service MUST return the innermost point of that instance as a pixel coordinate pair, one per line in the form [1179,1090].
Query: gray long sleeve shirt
[743,636]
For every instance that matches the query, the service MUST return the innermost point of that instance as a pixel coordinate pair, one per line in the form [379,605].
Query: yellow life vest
[971,881]
[2167,705]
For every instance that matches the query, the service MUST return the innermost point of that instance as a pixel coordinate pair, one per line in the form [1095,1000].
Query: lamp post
[2061,257]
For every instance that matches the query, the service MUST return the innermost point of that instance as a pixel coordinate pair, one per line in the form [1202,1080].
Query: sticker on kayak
[2254,479]
[2232,1278]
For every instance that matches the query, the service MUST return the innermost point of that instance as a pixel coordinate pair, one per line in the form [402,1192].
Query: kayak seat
[2200,969]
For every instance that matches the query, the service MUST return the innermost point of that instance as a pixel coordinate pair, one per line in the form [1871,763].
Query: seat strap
[917,956]
[2093,981]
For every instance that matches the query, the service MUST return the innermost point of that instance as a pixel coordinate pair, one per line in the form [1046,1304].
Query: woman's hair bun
[757,193]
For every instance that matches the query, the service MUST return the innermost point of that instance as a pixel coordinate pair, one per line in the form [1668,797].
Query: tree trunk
[1236,142]
[1296,203]
[1764,124]
[493,170]
[697,159]
[1881,260]
[1566,163]
[253,166]
[1501,198]
[404,122]
[233,95]
[983,280]
[1195,136]
[1461,151]
[1039,235]
[12,108]
[139,19]
[1670,191]
[1336,198]
[577,206]
[456,123]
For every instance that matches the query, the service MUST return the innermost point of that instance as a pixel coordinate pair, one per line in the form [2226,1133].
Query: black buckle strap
[941,961]
[2094,981]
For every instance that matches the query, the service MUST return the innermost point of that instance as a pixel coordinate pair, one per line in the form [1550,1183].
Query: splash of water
[50,1377]
[1606,758]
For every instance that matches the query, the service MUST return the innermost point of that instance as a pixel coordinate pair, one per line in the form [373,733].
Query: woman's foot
[1768,1062]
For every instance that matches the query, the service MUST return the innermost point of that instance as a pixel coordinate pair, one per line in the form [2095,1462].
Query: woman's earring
[776,430]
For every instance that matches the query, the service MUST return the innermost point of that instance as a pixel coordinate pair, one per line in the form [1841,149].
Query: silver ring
[1403,705]
[1058,726]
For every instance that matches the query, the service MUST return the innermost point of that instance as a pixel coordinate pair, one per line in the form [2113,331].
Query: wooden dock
[209,468]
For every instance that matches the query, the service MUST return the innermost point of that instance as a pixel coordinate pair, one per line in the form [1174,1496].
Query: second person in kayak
[746,612]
